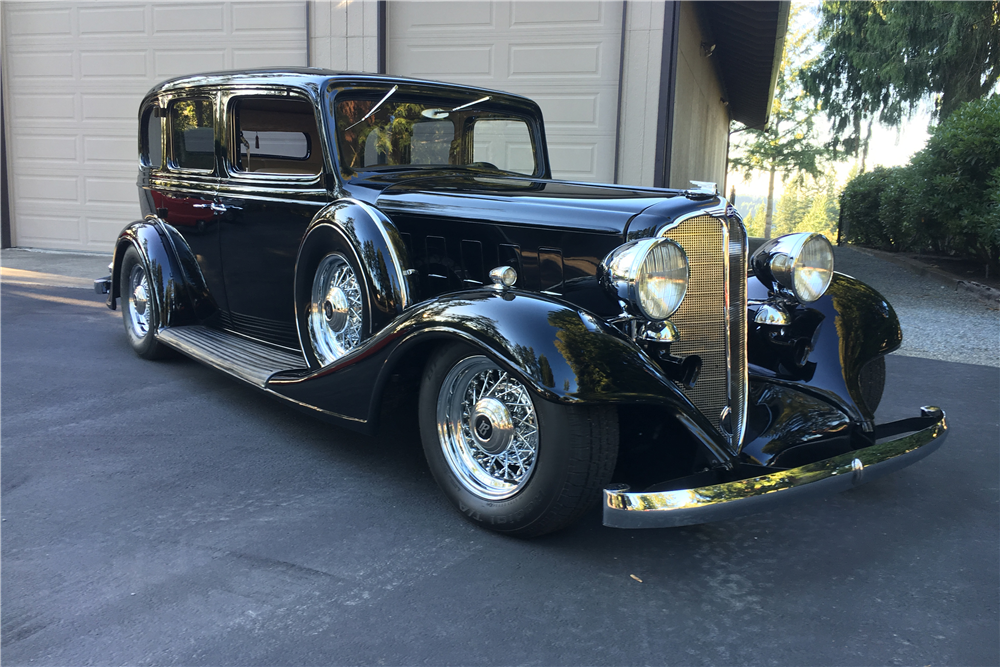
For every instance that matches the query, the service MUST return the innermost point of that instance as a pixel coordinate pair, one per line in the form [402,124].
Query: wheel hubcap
[492,427]
[335,319]
[336,309]
[487,428]
[138,301]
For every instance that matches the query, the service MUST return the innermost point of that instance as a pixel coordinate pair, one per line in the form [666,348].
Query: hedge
[947,200]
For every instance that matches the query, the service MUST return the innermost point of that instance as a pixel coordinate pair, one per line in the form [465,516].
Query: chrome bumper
[684,507]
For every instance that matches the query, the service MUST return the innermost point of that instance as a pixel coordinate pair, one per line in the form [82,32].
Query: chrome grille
[712,319]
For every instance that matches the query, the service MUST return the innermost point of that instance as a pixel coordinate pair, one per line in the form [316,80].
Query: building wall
[74,75]
[701,119]
[75,71]
[563,55]
[642,58]
[343,36]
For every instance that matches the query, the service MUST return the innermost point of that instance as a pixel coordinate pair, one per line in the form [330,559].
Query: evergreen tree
[787,146]
[881,58]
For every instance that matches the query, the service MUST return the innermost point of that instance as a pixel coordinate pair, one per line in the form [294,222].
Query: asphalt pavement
[161,513]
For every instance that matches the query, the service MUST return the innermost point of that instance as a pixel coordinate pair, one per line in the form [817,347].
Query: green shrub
[864,219]
[946,200]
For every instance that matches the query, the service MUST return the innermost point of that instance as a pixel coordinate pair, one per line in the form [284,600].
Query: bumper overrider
[898,444]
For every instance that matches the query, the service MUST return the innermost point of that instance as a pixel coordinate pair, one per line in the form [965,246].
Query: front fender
[564,354]
[849,326]
[177,297]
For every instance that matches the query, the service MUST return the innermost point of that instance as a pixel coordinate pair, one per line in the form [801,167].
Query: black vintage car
[315,234]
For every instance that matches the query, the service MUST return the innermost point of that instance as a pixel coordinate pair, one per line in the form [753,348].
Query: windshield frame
[446,97]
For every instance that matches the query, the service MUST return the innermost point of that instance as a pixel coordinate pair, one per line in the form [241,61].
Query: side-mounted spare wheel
[140,311]
[336,318]
[508,459]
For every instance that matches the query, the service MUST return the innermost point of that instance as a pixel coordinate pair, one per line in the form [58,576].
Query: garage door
[564,55]
[74,74]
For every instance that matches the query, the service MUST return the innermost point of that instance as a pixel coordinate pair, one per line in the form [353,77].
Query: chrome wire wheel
[487,428]
[138,303]
[335,319]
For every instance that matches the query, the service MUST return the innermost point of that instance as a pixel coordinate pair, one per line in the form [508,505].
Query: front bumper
[704,504]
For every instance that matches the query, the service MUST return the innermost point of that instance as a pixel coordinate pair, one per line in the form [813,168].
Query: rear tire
[140,312]
[508,459]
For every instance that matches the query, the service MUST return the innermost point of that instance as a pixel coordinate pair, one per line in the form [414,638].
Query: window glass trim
[169,156]
[513,108]
[149,108]
[233,173]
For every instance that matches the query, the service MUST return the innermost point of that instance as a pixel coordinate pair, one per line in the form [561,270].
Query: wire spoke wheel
[137,301]
[336,309]
[488,428]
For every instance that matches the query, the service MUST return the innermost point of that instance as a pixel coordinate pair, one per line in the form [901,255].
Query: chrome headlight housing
[649,275]
[801,263]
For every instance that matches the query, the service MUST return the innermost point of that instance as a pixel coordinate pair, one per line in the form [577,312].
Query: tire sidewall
[145,346]
[548,478]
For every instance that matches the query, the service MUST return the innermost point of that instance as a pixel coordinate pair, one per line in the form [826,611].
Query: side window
[505,144]
[192,134]
[151,138]
[275,136]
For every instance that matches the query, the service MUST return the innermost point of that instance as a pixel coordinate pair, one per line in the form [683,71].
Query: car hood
[526,201]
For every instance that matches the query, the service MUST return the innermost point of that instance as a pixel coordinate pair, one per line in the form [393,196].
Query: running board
[246,359]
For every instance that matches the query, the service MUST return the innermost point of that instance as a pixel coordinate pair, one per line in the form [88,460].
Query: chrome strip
[719,210]
[738,320]
[723,501]
[734,437]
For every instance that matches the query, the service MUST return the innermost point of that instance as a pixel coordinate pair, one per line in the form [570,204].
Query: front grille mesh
[712,320]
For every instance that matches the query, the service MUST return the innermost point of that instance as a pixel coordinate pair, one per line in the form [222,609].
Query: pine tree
[787,146]
[881,59]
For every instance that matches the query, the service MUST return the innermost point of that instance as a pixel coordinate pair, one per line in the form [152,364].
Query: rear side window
[275,136]
[151,138]
[192,134]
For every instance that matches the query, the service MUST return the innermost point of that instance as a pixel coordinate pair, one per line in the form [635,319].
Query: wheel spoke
[499,466]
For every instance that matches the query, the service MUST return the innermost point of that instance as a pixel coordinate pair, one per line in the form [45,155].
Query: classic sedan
[315,234]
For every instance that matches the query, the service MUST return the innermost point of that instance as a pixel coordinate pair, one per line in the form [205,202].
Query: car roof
[313,78]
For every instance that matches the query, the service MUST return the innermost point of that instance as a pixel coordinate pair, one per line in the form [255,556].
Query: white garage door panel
[546,15]
[416,17]
[74,74]
[564,55]
[465,61]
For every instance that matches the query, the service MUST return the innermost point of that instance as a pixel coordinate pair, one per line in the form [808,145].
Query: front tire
[508,459]
[140,312]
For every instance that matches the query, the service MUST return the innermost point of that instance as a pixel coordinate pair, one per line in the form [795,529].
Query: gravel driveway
[938,322]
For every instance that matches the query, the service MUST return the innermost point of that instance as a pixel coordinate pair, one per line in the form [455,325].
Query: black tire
[336,318]
[140,311]
[574,453]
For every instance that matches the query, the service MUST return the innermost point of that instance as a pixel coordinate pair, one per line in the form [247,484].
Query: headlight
[801,263]
[649,275]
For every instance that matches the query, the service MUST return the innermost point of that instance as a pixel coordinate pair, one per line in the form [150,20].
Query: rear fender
[179,290]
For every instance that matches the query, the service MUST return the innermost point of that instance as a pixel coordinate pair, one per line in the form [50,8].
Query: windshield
[383,129]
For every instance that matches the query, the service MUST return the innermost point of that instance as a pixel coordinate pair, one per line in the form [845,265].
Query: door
[273,188]
[183,182]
